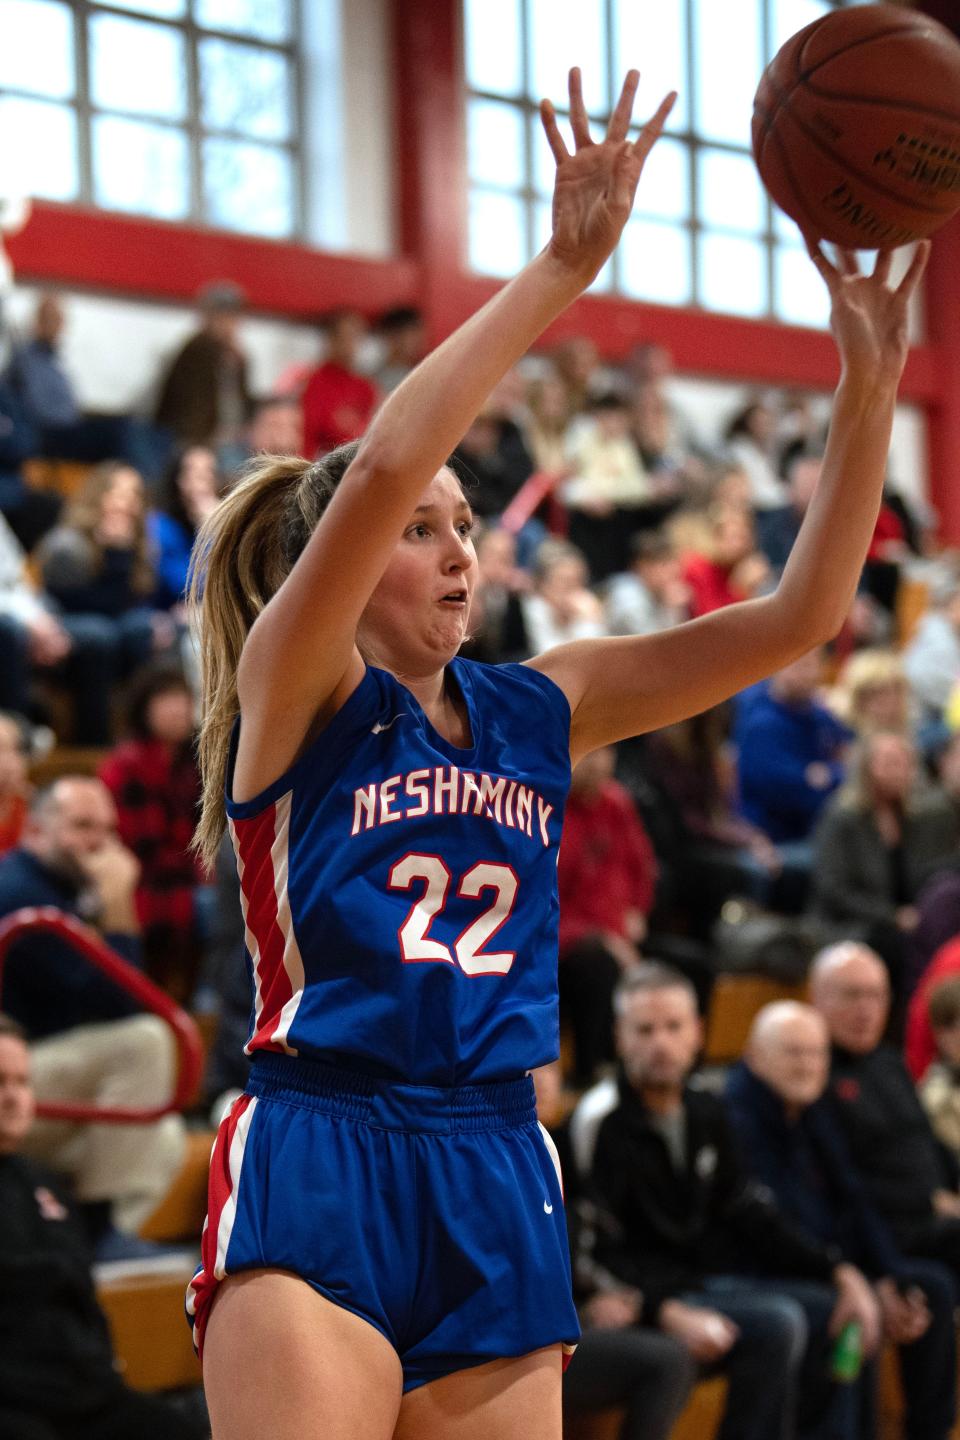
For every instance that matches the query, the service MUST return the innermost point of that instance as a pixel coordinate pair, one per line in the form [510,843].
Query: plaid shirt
[157,793]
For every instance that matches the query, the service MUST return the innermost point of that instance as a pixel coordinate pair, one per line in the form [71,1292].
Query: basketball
[856,127]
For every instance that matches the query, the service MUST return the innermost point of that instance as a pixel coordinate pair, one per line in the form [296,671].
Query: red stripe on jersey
[202,1287]
[255,841]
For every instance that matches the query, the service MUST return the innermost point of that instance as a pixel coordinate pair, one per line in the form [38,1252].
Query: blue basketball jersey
[400,892]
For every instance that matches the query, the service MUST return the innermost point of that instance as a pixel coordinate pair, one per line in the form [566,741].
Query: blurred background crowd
[808,826]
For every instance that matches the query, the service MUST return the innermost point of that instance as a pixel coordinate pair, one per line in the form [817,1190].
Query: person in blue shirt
[792,1143]
[790,751]
[385,1249]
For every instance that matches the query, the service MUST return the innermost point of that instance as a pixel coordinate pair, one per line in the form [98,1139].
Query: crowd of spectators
[735,1233]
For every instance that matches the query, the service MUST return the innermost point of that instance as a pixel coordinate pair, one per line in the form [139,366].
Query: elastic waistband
[502,1104]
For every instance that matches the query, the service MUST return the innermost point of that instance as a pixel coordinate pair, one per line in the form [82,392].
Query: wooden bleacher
[64,476]
[180,1214]
[151,1337]
[735,1001]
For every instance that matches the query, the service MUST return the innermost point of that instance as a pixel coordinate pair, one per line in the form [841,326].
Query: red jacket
[709,583]
[337,406]
[607,865]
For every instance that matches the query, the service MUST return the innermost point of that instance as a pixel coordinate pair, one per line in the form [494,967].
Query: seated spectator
[497,630]
[729,568]
[46,393]
[338,402]
[652,595]
[675,1208]
[932,658]
[778,528]
[751,441]
[188,493]
[97,566]
[940,1089]
[909,1177]
[562,607]
[88,1041]
[155,785]
[65,649]
[576,363]
[719,852]
[403,335]
[276,427]
[791,1143]
[204,395]
[790,752]
[606,488]
[920,1045]
[606,874]
[872,693]
[14,785]
[618,1364]
[664,457]
[493,460]
[547,425]
[878,840]
[29,511]
[59,1378]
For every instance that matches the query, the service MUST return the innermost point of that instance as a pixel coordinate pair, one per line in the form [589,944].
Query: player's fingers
[653,129]
[548,117]
[620,119]
[849,264]
[815,251]
[881,270]
[579,122]
[915,270]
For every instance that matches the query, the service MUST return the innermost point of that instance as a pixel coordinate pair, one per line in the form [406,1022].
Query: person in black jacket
[910,1177]
[679,1209]
[791,1142]
[58,1379]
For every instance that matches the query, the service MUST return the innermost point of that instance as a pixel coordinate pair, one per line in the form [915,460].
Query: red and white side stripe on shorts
[226,1161]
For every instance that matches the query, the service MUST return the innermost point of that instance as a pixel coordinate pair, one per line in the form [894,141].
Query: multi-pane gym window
[703,231]
[181,109]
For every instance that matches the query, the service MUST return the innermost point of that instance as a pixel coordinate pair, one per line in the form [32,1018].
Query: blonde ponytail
[242,555]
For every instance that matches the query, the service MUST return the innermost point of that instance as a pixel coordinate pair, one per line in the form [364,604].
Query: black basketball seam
[803,75]
[849,168]
[913,108]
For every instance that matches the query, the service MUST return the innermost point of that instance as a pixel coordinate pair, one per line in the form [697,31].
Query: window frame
[192,125]
[768,237]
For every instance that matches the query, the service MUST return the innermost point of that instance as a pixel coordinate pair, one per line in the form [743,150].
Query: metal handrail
[94,948]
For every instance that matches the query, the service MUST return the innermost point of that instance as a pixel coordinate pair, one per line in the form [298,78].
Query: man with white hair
[793,1144]
[910,1178]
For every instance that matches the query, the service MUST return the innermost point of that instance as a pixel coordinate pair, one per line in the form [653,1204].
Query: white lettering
[524,808]
[448,788]
[416,787]
[364,803]
[388,794]
[544,811]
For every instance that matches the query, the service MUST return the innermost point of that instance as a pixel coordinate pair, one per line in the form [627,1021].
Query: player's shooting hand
[595,186]
[868,316]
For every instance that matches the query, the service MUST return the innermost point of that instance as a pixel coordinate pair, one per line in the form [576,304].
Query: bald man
[793,1144]
[911,1179]
[88,1040]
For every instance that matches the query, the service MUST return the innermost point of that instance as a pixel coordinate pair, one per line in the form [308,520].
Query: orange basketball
[856,126]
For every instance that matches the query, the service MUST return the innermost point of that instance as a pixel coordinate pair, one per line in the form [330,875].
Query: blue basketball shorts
[436,1215]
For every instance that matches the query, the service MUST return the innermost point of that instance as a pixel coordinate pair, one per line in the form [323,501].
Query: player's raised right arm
[302,645]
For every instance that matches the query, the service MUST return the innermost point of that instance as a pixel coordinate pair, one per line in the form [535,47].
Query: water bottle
[848,1353]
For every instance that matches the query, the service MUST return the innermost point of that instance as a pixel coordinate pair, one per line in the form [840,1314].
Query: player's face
[416,619]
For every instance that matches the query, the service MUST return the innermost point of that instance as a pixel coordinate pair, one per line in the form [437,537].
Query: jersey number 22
[468,951]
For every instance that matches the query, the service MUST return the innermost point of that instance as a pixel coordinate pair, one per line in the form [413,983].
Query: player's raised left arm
[627,685]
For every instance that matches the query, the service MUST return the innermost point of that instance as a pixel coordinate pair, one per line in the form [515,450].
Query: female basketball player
[385,1246]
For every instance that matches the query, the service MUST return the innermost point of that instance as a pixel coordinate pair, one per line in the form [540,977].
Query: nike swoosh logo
[378,729]
[547,1209]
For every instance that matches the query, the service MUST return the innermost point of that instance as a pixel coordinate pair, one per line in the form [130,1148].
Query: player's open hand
[595,186]
[868,316]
